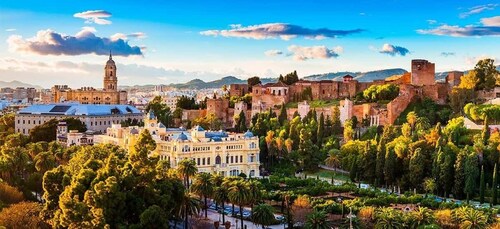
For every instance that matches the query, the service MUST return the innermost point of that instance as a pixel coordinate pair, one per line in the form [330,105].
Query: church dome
[110,61]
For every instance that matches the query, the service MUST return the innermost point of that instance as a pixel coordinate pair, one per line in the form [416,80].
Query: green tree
[263,214]
[417,167]
[282,117]
[481,186]
[47,131]
[487,74]
[485,134]
[459,182]
[317,220]
[239,194]
[202,186]
[252,81]
[321,130]
[471,175]
[154,218]
[160,109]
[494,188]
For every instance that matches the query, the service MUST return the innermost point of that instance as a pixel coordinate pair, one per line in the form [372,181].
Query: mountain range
[15,83]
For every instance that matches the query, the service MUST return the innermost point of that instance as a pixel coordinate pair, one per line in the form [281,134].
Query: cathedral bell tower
[110,80]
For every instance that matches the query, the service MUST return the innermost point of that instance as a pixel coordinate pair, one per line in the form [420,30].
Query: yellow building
[228,154]
[88,95]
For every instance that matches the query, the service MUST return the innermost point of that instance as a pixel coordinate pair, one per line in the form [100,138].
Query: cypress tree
[481,186]
[485,134]
[282,117]
[321,129]
[494,187]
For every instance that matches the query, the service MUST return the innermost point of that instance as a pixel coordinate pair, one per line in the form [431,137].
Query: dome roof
[181,137]
[161,125]
[199,128]
[110,61]
[134,131]
[248,134]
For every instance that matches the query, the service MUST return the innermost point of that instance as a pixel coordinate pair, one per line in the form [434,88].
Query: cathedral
[88,95]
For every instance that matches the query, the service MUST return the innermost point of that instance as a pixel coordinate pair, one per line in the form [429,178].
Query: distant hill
[200,84]
[360,76]
[15,83]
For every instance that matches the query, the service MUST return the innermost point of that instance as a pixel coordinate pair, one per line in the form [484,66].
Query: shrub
[9,194]
[22,215]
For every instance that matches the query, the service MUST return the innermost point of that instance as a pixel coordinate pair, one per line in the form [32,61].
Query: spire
[110,56]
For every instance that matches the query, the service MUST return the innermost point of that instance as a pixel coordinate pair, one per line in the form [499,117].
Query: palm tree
[422,216]
[239,194]
[333,159]
[221,196]
[187,168]
[189,206]
[203,187]
[388,218]
[254,189]
[317,220]
[263,214]
[471,218]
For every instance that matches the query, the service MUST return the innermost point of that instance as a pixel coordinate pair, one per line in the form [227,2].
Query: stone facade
[89,95]
[422,73]
[238,89]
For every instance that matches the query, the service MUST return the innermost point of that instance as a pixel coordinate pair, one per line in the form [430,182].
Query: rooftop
[79,109]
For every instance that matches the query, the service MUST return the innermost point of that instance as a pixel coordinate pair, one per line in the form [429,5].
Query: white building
[96,117]
[73,137]
[228,154]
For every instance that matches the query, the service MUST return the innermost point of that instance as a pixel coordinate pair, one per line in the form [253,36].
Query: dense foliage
[377,93]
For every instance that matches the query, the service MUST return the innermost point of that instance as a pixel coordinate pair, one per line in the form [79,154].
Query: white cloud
[394,50]
[478,9]
[431,22]
[94,16]
[136,35]
[273,52]
[10,30]
[491,21]
[48,42]
[302,53]
[472,60]
[278,30]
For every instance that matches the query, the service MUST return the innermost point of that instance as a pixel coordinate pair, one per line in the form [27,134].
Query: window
[241,158]
[203,161]
[252,173]
[198,161]
[217,160]
[232,161]
[208,161]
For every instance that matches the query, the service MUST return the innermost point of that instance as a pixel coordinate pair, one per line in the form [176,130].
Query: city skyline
[162,43]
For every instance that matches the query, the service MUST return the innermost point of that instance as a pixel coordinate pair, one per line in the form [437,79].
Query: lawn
[328,174]
[315,103]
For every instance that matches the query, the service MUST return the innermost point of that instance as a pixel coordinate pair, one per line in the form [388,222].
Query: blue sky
[160,42]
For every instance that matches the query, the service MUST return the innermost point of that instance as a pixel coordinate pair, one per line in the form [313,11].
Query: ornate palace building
[88,95]
[228,154]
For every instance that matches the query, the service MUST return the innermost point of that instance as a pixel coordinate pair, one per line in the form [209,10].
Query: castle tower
[110,80]
[422,73]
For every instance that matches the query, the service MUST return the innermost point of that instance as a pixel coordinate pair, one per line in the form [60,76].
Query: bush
[376,93]
[22,215]
[9,194]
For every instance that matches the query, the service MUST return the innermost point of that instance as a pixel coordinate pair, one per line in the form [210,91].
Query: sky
[52,42]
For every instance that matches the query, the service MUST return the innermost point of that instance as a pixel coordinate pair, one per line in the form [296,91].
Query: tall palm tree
[471,218]
[216,182]
[317,220]
[239,194]
[189,206]
[263,214]
[333,159]
[221,196]
[187,168]
[202,186]
[254,189]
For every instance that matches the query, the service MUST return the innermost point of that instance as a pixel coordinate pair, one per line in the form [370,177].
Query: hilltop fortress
[419,83]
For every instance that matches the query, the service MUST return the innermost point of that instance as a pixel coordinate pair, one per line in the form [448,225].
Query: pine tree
[494,187]
[459,182]
[481,186]
[242,122]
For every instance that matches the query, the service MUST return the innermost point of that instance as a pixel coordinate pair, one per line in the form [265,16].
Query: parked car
[213,206]
[247,215]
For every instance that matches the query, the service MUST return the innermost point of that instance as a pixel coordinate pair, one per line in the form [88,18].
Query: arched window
[217,160]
